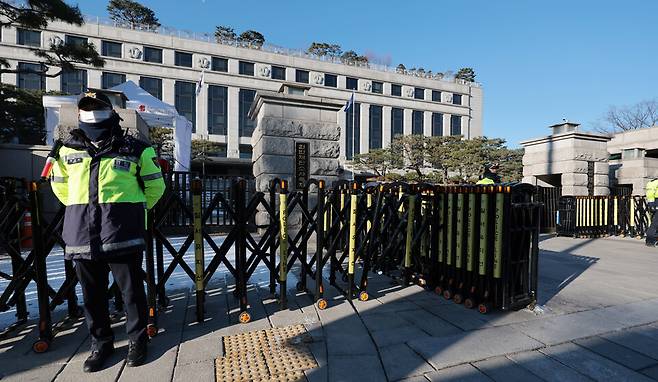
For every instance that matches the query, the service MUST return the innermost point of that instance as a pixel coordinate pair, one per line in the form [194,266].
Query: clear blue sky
[539,61]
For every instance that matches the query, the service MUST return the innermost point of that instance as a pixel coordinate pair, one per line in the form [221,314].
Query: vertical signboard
[301,164]
[590,178]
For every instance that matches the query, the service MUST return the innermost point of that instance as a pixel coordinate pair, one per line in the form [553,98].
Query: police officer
[490,175]
[107,180]
[651,193]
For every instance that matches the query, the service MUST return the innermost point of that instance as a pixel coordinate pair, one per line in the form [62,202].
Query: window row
[219,64]
[375,126]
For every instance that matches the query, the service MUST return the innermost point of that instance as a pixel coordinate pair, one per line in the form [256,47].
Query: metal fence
[476,245]
[600,216]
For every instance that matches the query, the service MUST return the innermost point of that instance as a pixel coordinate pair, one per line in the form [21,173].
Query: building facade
[169,63]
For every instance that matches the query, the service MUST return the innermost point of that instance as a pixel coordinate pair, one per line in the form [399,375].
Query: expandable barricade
[476,245]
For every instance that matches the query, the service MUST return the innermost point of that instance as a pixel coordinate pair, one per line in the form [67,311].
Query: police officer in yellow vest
[107,180]
[651,194]
[490,175]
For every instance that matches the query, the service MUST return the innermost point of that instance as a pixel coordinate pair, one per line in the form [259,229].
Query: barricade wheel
[484,308]
[151,330]
[469,303]
[41,346]
[344,277]
[363,296]
[458,299]
[322,304]
[300,286]
[438,290]
[447,294]
[244,317]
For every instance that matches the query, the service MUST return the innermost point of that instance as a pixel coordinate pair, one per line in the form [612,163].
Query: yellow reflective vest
[652,190]
[106,192]
[485,181]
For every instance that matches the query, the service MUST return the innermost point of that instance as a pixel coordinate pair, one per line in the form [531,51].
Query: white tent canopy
[152,110]
[157,113]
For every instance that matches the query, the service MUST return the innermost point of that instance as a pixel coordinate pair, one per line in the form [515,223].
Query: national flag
[350,103]
[199,84]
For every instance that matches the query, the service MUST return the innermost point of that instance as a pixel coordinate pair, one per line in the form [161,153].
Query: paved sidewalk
[597,320]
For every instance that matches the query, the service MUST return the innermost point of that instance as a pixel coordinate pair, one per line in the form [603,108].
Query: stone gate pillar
[296,138]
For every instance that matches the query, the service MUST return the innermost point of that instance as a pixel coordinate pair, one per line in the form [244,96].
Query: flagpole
[353,128]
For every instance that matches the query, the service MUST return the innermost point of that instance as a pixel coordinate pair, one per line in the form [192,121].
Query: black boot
[136,353]
[99,354]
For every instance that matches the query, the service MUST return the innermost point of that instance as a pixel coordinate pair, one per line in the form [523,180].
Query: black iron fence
[599,216]
[550,198]
[477,245]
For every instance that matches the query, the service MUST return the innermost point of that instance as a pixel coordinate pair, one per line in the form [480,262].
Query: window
[397,122]
[218,64]
[217,109]
[246,151]
[301,76]
[455,125]
[331,80]
[245,124]
[31,81]
[396,90]
[28,37]
[437,124]
[183,59]
[151,85]
[153,55]
[419,93]
[436,96]
[417,122]
[75,40]
[185,101]
[74,81]
[375,127]
[353,130]
[111,49]
[246,68]
[377,87]
[278,73]
[109,80]
[352,83]
[456,99]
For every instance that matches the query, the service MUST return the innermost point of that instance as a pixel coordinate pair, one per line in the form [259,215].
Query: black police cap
[93,100]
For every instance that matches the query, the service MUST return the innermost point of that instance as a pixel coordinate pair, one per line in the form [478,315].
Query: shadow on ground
[401,332]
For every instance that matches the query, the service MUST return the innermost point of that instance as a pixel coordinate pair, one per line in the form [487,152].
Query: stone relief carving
[56,41]
[135,53]
[409,92]
[367,86]
[264,71]
[318,79]
[204,63]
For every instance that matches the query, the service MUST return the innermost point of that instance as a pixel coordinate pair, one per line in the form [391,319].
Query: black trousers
[653,227]
[94,279]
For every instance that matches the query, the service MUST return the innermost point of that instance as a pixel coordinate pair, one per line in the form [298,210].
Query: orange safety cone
[26,231]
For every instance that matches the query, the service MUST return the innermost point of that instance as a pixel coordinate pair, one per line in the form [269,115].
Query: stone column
[386,126]
[364,129]
[284,120]
[407,121]
[427,123]
[232,135]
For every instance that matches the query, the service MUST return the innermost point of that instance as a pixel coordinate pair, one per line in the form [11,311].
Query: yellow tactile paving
[273,355]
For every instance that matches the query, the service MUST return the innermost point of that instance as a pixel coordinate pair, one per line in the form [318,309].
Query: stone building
[586,163]
[168,63]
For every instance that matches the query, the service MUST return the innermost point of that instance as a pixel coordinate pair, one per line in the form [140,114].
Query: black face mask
[103,130]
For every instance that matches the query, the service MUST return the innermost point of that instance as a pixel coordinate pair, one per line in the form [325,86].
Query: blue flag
[350,103]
